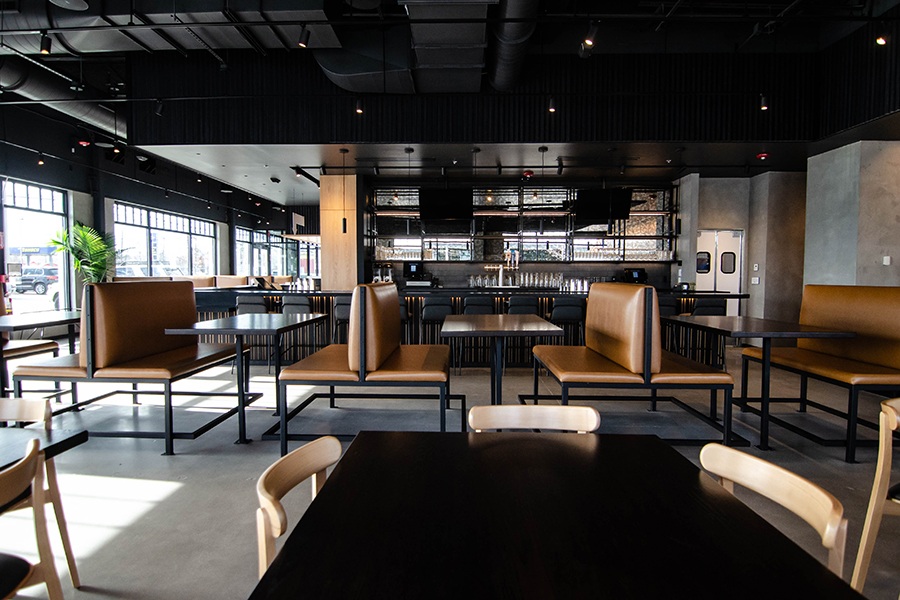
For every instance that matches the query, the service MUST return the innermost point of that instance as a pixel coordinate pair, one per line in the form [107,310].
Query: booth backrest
[382,322]
[872,312]
[130,319]
[199,281]
[614,325]
[226,281]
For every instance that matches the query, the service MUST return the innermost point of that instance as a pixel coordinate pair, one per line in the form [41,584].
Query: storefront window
[38,275]
[159,244]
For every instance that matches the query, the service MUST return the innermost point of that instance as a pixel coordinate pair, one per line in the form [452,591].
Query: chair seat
[170,365]
[14,571]
[419,362]
[677,370]
[328,364]
[845,370]
[67,366]
[580,364]
[17,348]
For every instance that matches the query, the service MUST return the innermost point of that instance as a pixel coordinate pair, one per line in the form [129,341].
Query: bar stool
[569,311]
[434,310]
[341,316]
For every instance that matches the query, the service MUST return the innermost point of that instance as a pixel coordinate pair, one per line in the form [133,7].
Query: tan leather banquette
[870,361]
[123,338]
[374,355]
[623,350]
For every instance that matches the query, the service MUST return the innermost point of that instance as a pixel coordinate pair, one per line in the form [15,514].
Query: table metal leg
[764,394]
[71,338]
[242,391]
[497,369]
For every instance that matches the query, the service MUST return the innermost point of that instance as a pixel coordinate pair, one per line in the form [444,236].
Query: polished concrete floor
[164,527]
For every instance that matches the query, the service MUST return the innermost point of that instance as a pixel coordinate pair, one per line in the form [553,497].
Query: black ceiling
[401,56]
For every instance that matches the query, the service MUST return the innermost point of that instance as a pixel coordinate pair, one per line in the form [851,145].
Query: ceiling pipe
[30,82]
[512,41]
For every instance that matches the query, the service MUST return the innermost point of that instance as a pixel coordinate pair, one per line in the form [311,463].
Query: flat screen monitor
[445,204]
[601,206]
[413,269]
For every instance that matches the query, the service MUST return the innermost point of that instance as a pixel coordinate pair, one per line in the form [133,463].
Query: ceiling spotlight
[160,108]
[881,40]
[359,108]
[274,179]
[46,43]
[551,106]
[762,156]
[84,143]
[77,87]
[591,35]
[304,37]
[116,150]
[199,179]
[208,205]
[763,102]
[167,193]
[40,159]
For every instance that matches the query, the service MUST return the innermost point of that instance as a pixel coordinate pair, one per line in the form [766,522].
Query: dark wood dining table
[52,443]
[533,515]
[272,325]
[498,328]
[37,320]
[766,330]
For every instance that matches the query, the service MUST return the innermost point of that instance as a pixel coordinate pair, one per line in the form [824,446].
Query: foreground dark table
[767,330]
[272,325]
[497,327]
[526,515]
[54,442]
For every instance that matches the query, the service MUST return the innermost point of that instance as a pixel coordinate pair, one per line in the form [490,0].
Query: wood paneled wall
[339,249]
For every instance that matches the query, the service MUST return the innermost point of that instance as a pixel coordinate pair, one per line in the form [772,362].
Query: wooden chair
[884,499]
[805,499]
[26,477]
[309,460]
[14,572]
[36,410]
[12,349]
[583,419]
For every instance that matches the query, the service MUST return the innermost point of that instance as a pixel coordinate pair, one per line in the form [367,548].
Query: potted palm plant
[93,252]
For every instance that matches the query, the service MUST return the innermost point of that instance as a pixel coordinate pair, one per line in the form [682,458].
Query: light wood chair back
[583,419]
[37,410]
[881,501]
[307,461]
[805,499]
[16,480]
[27,410]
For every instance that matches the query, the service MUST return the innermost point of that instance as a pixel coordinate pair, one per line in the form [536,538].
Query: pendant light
[343,152]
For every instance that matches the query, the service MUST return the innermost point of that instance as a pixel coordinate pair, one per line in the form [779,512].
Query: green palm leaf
[92,252]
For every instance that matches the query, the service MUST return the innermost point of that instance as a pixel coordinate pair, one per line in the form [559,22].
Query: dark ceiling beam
[276,31]
[147,24]
[244,32]
[201,41]
[127,34]
[542,19]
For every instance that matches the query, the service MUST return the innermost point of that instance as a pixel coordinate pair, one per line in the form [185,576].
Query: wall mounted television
[445,204]
[594,207]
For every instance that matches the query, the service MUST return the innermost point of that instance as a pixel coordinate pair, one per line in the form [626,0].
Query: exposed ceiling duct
[514,29]
[34,83]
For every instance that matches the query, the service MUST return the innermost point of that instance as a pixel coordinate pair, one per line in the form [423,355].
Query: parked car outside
[36,279]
